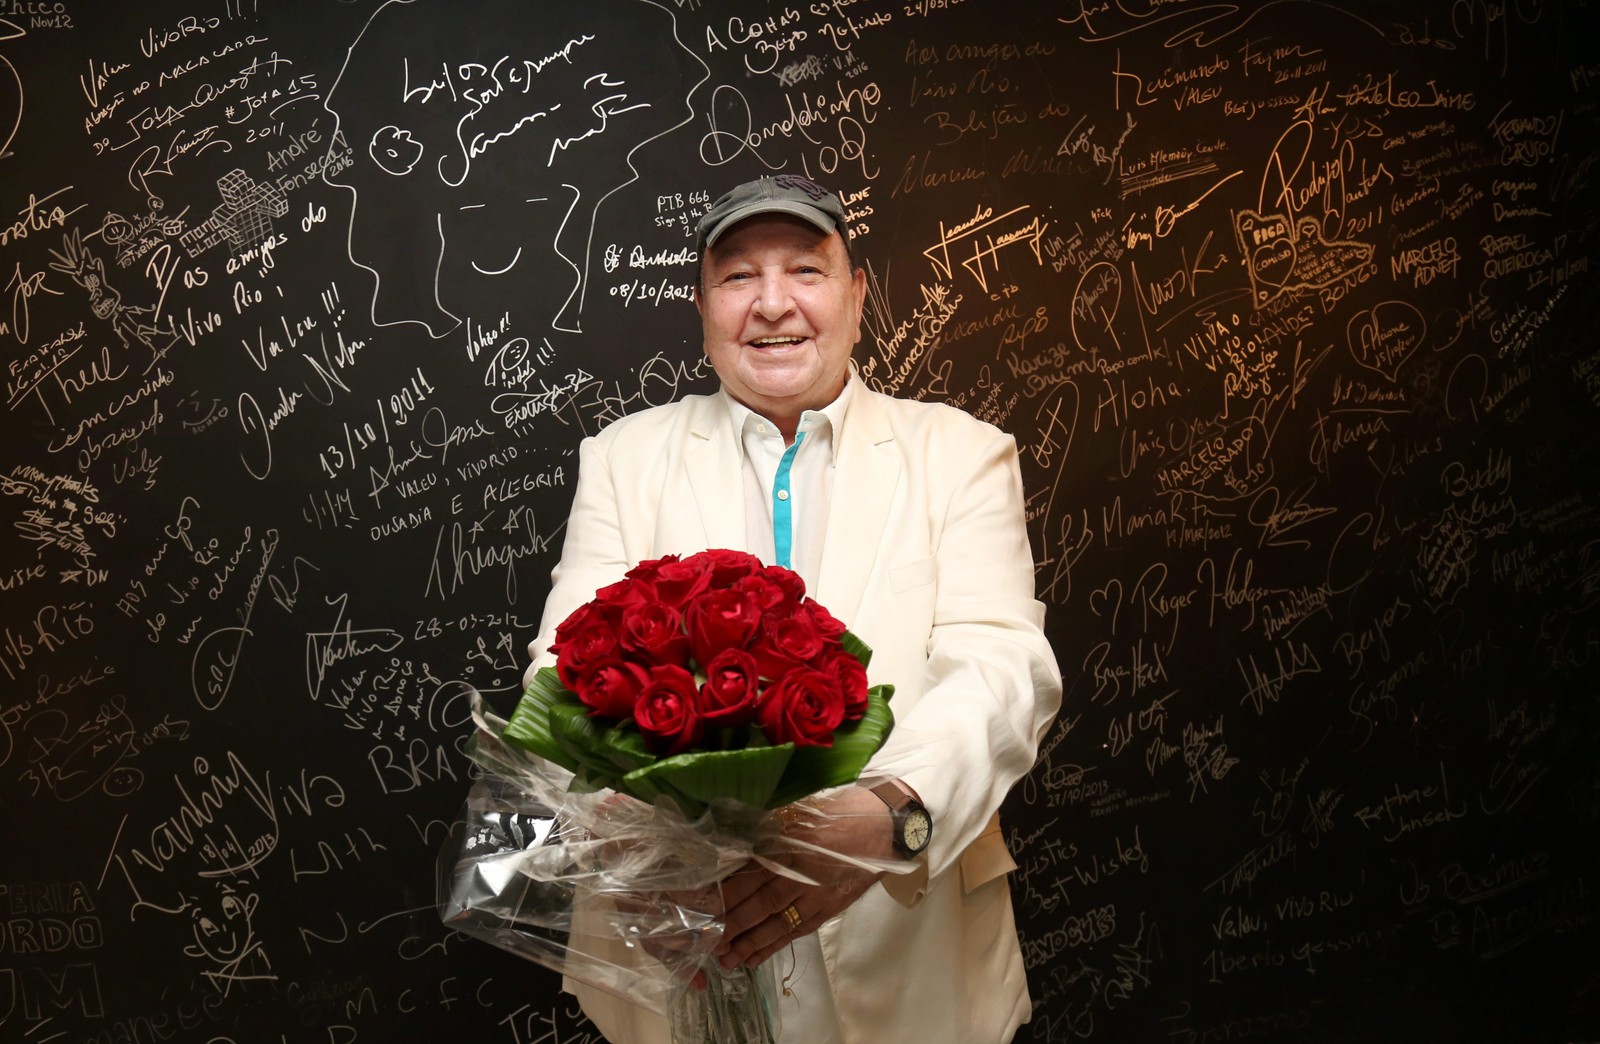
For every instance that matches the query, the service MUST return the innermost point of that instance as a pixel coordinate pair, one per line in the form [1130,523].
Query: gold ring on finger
[792,915]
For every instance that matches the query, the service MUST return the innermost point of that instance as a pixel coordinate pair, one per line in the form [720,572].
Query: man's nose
[773,297]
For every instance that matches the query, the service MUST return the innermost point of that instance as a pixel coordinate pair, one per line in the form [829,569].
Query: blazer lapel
[717,479]
[866,478]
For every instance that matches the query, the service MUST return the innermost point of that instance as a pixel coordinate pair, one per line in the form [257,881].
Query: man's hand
[854,822]
[667,925]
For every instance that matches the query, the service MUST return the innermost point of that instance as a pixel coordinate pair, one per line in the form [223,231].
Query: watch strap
[891,794]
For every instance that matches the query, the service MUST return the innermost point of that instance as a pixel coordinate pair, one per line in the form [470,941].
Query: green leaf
[529,725]
[817,768]
[598,741]
[551,722]
[857,648]
[626,749]
[584,783]
[587,741]
[695,780]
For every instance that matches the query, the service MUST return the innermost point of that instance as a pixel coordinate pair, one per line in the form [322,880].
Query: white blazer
[926,558]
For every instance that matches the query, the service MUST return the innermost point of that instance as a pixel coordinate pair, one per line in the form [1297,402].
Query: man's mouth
[776,342]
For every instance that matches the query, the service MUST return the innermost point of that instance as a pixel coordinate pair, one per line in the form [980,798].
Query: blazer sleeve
[593,552]
[992,685]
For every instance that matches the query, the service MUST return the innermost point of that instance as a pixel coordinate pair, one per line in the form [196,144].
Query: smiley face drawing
[478,149]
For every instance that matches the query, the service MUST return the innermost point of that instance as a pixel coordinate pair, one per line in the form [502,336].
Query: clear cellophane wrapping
[616,893]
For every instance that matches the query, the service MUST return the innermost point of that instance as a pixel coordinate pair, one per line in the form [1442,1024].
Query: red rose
[852,678]
[803,707]
[788,582]
[611,690]
[727,567]
[670,580]
[770,660]
[825,622]
[731,691]
[794,638]
[653,632]
[767,594]
[645,572]
[719,620]
[592,645]
[665,711]
[586,614]
[611,600]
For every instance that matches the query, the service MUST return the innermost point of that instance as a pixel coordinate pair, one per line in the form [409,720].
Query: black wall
[1291,308]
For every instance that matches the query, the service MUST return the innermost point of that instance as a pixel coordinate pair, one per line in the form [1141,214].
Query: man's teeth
[777,340]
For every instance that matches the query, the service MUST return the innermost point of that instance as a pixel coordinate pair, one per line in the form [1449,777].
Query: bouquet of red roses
[707,690]
[702,679]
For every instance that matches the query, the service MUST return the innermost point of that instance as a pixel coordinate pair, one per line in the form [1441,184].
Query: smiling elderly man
[906,520]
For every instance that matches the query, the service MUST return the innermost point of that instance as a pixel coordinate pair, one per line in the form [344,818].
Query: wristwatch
[913,826]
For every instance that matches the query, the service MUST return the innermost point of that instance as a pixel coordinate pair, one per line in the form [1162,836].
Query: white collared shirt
[788,491]
[788,488]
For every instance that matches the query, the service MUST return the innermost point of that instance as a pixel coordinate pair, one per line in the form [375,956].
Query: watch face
[918,829]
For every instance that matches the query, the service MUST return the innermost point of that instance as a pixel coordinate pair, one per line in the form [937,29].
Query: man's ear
[858,296]
[697,306]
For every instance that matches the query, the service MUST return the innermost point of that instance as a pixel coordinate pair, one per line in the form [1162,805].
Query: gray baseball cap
[785,194]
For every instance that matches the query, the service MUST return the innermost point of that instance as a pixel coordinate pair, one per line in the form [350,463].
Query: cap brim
[811,215]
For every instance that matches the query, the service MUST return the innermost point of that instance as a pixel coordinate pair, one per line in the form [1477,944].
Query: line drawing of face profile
[483,139]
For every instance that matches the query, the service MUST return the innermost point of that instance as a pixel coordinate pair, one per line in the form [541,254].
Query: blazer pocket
[912,575]
[986,858]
